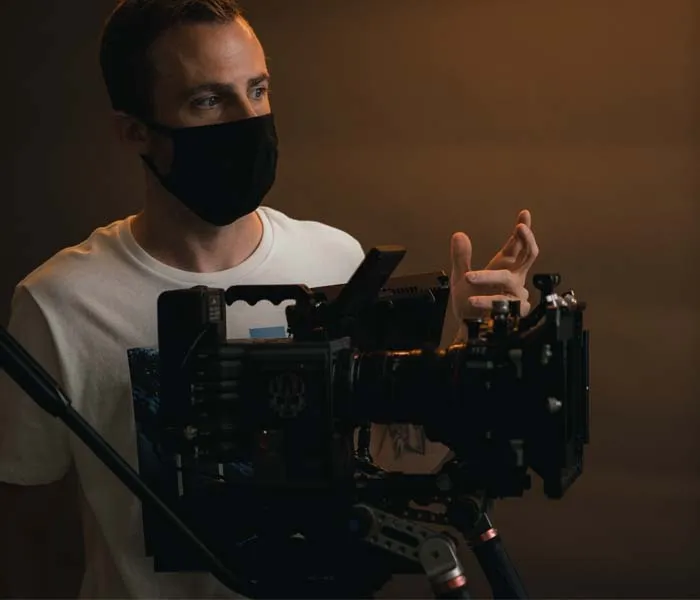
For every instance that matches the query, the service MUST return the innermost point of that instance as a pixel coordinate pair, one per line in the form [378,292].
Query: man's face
[209,73]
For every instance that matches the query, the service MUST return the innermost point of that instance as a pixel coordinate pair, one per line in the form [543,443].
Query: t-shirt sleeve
[351,256]
[357,253]
[34,446]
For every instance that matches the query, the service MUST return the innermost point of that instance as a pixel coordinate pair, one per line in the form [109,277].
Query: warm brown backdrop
[403,120]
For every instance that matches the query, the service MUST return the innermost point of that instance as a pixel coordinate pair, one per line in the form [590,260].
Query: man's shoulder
[314,235]
[75,264]
[318,253]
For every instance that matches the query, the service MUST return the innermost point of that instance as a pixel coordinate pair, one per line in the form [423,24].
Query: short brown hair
[129,33]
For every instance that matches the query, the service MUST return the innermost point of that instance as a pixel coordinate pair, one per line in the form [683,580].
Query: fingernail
[472,277]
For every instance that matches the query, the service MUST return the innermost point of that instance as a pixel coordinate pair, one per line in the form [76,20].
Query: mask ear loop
[157,127]
[163,130]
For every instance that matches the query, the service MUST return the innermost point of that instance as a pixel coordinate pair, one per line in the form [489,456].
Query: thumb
[461,247]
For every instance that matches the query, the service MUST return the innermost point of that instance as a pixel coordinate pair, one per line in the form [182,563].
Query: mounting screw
[554,405]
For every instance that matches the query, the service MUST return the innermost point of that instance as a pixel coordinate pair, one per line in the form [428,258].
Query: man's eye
[207,102]
[259,93]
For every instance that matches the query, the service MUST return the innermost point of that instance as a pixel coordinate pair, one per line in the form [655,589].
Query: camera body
[287,407]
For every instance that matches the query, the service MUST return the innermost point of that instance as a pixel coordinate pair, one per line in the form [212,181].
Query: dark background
[402,121]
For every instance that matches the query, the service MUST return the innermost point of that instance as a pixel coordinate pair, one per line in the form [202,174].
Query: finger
[461,250]
[514,246]
[502,278]
[525,218]
[529,248]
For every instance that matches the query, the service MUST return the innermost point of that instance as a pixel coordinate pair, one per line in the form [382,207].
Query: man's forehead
[198,53]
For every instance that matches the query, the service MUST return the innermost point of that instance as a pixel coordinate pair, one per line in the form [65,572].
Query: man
[190,88]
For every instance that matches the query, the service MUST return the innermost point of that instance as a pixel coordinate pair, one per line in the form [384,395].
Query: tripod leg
[438,556]
[500,572]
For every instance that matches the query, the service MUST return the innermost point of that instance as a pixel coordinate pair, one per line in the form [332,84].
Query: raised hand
[503,278]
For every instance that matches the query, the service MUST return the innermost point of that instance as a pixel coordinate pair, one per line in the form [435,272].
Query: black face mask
[221,172]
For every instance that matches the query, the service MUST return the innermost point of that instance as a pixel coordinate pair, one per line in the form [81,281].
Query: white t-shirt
[78,314]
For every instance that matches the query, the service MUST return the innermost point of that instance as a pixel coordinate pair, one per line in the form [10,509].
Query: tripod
[487,546]
[436,552]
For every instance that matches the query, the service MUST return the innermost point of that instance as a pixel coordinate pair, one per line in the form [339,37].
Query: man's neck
[184,242]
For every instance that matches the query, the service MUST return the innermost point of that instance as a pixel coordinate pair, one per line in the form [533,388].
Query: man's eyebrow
[262,78]
[222,89]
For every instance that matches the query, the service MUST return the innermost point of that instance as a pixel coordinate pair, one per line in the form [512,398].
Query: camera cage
[534,370]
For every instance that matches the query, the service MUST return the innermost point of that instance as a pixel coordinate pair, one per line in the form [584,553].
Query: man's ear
[131,131]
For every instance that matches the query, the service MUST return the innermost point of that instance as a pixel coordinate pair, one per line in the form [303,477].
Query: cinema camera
[277,492]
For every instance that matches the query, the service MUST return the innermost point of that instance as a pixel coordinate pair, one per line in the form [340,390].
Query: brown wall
[403,120]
